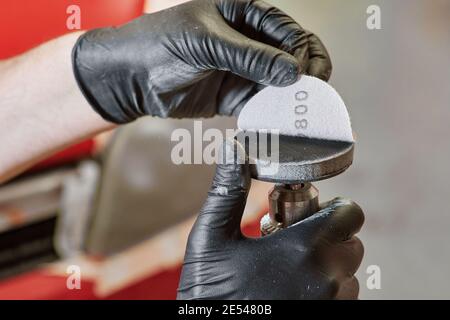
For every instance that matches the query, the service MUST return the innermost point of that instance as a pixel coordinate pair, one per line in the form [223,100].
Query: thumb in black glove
[313,259]
[198,59]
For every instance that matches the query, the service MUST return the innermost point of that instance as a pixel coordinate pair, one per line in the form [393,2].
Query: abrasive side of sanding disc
[310,108]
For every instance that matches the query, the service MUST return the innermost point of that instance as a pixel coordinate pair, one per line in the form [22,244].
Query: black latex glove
[198,59]
[313,259]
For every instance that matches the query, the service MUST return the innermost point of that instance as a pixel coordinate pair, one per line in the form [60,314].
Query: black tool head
[299,159]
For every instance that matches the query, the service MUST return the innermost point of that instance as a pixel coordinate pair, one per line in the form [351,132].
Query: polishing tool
[293,136]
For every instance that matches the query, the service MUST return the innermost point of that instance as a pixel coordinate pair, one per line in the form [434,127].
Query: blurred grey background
[396,84]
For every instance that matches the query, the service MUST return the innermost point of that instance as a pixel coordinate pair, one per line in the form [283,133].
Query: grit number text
[301,110]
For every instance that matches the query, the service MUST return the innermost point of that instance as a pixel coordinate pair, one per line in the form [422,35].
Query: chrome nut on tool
[289,204]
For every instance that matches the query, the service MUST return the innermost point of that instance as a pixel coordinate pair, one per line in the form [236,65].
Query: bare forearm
[41,108]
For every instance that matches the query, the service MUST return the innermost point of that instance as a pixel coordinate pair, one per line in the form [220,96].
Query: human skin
[42,109]
[43,77]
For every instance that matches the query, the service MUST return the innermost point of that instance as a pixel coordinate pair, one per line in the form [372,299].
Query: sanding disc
[312,126]
[309,108]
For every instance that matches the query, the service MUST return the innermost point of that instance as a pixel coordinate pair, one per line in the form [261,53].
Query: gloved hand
[198,59]
[313,259]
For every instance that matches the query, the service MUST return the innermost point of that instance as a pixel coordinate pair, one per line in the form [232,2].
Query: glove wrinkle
[195,60]
[308,260]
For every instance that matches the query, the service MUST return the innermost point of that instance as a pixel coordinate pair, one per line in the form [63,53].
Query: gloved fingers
[342,219]
[231,102]
[350,253]
[319,64]
[262,21]
[252,60]
[349,289]
[222,212]
[271,25]
[338,220]
[342,259]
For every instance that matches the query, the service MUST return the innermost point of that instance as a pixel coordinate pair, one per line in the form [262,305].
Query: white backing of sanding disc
[309,108]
